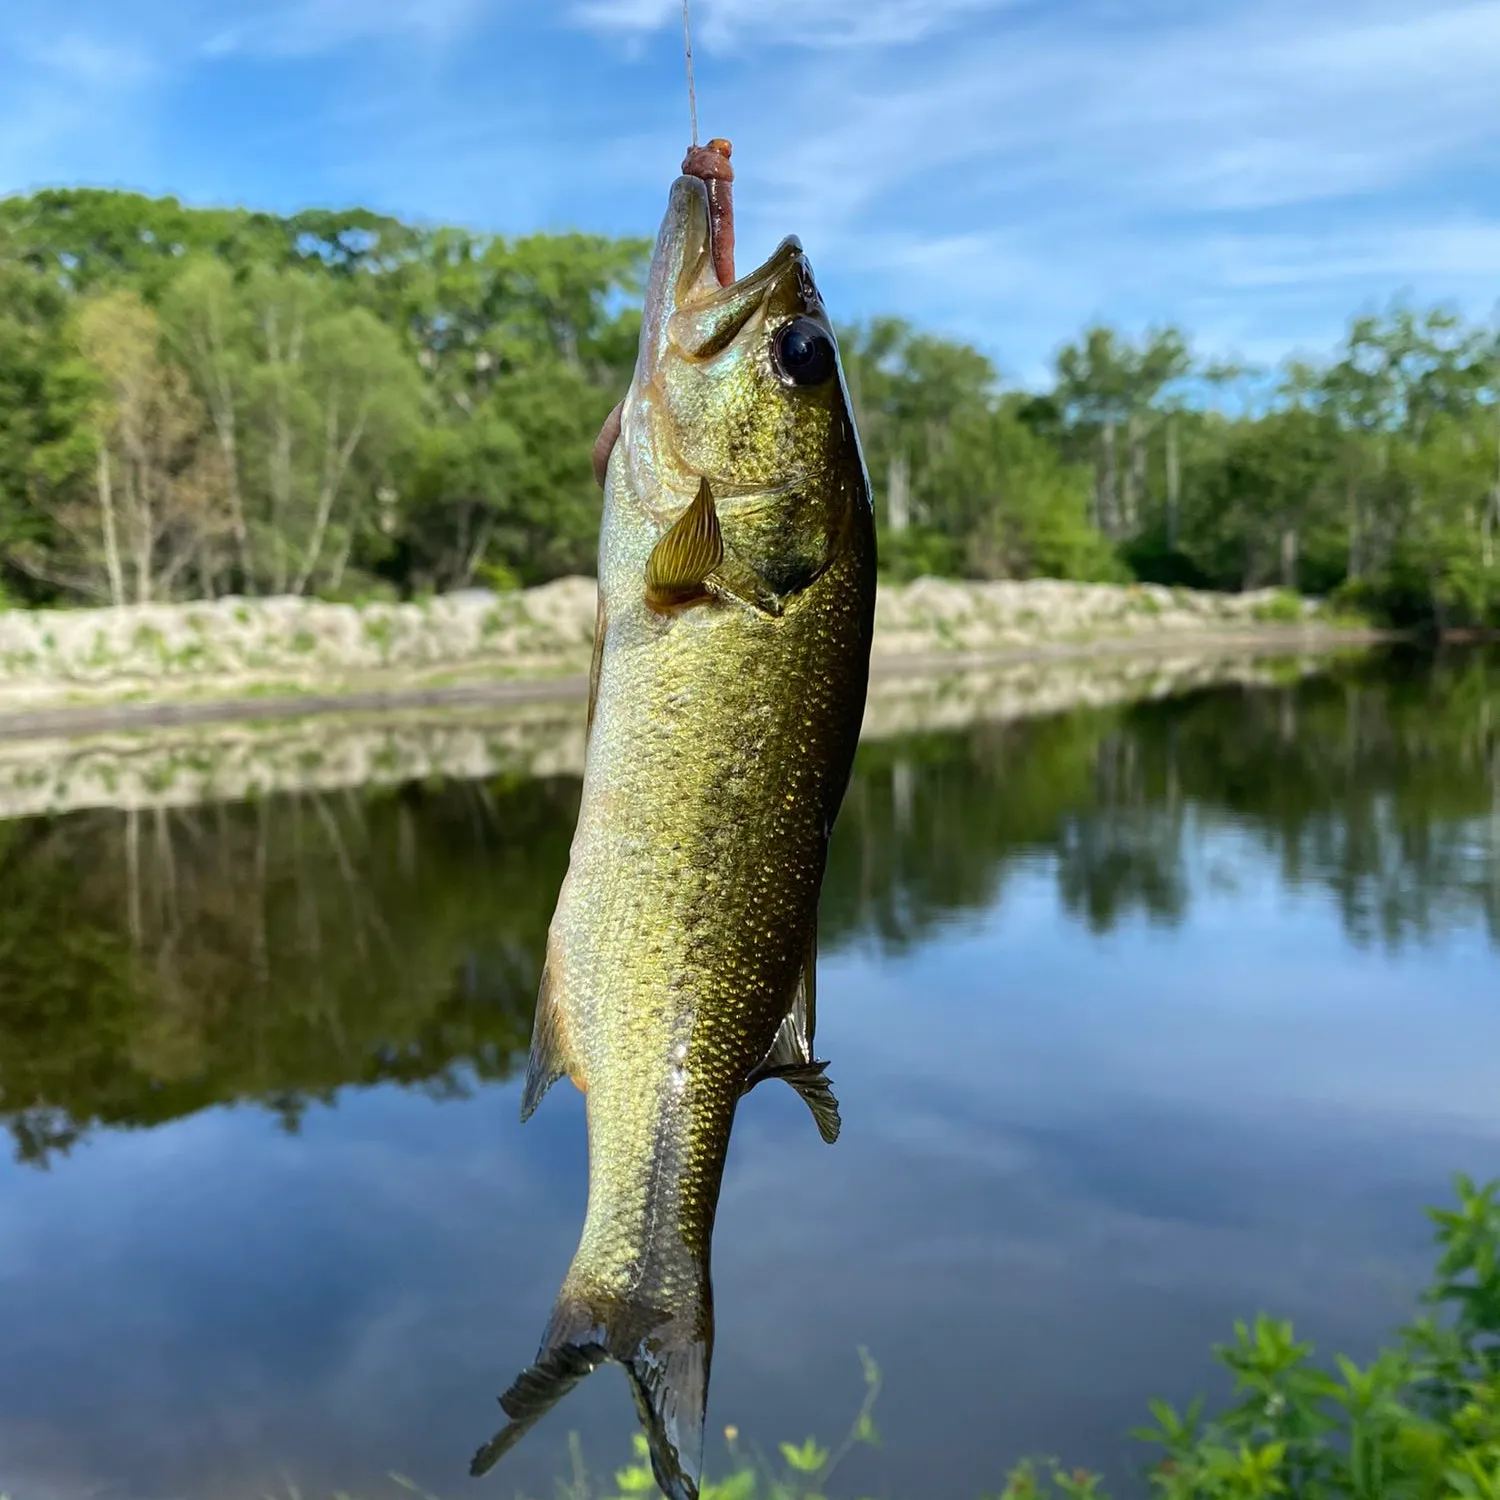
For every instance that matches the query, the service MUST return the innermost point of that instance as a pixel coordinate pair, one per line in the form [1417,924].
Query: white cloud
[307,28]
[1253,107]
[1254,169]
[89,61]
[720,25]
[996,169]
[1386,251]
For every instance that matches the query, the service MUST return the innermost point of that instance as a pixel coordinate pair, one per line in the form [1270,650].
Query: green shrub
[1282,608]
[1422,1419]
[919,552]
[499,576]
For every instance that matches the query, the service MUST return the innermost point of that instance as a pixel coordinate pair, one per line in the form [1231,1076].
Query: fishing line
[687,47]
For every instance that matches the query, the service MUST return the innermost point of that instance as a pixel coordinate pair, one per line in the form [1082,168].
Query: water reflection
[158,963]
[1089,986]
[1379,782]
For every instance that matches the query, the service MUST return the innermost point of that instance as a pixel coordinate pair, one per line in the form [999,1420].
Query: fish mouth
[684,304]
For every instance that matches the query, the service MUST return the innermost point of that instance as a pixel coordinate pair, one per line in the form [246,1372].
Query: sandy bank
[170,662]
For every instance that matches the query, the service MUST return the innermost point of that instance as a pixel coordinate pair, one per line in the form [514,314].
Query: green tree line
[196,402]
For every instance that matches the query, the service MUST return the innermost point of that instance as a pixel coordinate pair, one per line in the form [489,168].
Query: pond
[1142,1017]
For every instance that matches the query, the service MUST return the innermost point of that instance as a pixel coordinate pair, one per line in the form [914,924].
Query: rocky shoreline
[242,649]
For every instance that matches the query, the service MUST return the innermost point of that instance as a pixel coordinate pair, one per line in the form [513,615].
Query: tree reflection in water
[158,963]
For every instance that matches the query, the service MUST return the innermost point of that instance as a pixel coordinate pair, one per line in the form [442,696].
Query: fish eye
[804,353]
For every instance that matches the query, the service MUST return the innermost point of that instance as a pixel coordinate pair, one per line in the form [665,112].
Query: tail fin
[666,1355]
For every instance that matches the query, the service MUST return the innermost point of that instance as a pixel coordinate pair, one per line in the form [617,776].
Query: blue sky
[1001,170]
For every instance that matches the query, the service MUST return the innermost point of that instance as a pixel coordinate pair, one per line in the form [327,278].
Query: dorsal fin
[595,665]
[551,1056]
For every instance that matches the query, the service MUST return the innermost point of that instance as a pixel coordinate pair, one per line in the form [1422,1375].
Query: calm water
[1142,1019]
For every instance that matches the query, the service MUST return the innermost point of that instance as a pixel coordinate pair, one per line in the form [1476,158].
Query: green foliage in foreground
[1421,1420]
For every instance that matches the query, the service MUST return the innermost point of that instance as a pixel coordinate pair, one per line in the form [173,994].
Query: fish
[736,600]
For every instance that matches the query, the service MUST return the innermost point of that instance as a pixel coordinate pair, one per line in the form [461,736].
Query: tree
[510,487]
[964,483]
[1019,508]
[1396,376]
[338,401]
[88,240]
[1451,539]
[1273,486]
[313,406]
[207,324]
[526,346]
[909,389]
[33,345]
[1108,391]
[135,484]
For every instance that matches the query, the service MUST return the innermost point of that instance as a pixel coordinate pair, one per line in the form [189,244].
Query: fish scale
[736,604]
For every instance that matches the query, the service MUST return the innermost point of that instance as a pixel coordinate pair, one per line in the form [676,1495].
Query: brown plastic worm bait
[711,163]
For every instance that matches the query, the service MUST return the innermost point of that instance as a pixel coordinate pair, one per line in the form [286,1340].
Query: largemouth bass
[736,604]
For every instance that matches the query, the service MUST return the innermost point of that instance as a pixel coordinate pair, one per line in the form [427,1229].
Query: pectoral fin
[678,569]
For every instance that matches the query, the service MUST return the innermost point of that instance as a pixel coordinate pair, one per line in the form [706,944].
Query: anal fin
[810,1080]
[791,1055]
